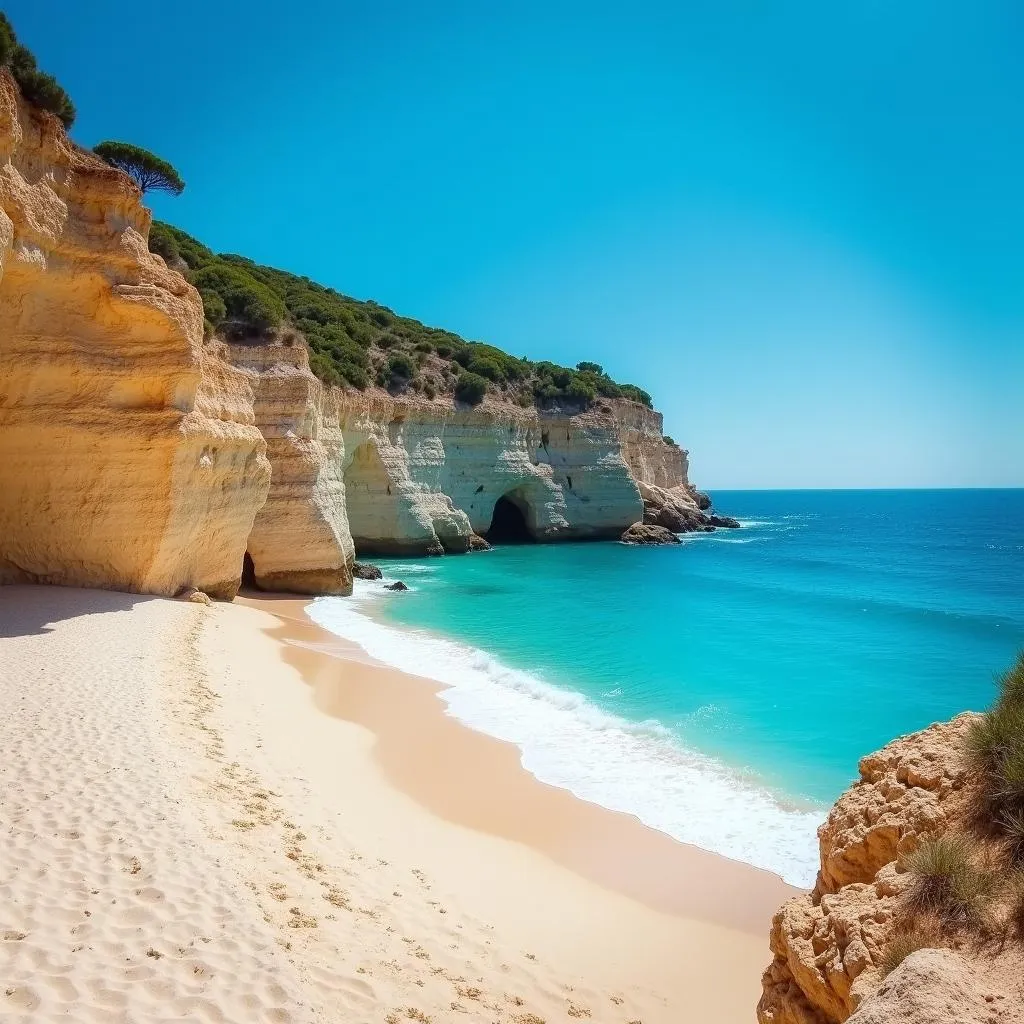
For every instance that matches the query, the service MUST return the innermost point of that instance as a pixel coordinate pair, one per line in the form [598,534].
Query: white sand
[184,835]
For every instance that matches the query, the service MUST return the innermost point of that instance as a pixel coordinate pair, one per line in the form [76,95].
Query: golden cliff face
[129,458]
[828,944]
[300,541]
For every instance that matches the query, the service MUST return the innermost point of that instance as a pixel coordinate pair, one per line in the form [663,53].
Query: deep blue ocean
[722,690]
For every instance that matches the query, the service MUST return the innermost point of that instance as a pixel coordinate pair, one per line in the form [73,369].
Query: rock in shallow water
[397,585]
[727,521]
[365,571]
[645,533]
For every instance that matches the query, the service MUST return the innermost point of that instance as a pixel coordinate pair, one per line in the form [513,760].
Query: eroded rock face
[300,540]
[936,986]
[827,943]
[130,458]
[423,478]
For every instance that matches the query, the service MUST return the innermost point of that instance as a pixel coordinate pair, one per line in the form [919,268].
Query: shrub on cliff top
[146,169]
[37,87]
[248,303]
[343,332]
[470,388]
[995,746]
[947,882]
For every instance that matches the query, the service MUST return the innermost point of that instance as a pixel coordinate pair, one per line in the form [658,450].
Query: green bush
[669,441]
[485,366]
[213,307]
[8,41]
[579,391]
[37,87]
[635,394]
[995,746]
[470,388]
[595,368]
[164,242]
[248,303]
[400,367]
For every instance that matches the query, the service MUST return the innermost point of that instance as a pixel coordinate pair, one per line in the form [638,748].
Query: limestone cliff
[827,945]
[129,455]
[424,476]
[300,540]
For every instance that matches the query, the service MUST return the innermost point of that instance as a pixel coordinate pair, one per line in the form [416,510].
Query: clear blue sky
[799,225]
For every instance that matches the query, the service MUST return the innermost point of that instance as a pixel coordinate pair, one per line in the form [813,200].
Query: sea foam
[568,741]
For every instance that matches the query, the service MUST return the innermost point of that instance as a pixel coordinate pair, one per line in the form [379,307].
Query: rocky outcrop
[827,944]
[423,477]
[300,541]
[130,457]
[936,986]
[642,533]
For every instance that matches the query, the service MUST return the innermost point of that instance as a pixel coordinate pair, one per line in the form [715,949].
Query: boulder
[936,986]
[397,585]
[477,543]
[365,571]
[724,521]
[645,533]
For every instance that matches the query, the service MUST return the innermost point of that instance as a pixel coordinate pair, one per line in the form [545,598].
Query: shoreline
[614,849]
[191,826]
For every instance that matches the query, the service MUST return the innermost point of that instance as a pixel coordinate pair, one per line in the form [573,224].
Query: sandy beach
[224,813]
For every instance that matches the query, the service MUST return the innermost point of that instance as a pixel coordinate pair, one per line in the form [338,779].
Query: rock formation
[827,943]
[130,458]
[300,541]
[644,533]
[936,986]
[137,456]
[423,477]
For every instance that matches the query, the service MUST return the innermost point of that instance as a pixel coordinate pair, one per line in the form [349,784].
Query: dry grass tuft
[948,882]
[902,944]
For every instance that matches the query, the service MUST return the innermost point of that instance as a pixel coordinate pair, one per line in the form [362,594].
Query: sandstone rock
[643,533]
[300,541]
[130,456]
[936,986]
[397,585]
[365,571]
[673,509]
[905,792]
[827,943]
[478,543]
[194,596]
[700,499]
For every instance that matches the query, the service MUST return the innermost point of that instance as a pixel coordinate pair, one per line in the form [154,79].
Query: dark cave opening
[508,524]
[248,572]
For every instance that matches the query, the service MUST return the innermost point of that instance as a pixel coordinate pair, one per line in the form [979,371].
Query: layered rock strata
[300,541]
[129,455]
[424,477]
[827,944]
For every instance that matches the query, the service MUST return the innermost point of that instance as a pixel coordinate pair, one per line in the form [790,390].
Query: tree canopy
[146,169]
[37,87]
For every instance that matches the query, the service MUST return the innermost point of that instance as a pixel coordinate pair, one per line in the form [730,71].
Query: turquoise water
[728,686]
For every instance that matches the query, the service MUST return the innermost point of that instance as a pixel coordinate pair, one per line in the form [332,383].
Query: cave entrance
[508,522]
[248,572]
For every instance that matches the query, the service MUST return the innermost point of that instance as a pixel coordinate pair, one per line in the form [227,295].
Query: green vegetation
[353,343]
[995,746]
[146,169]
[669,441]
[37,87]
[948,883]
